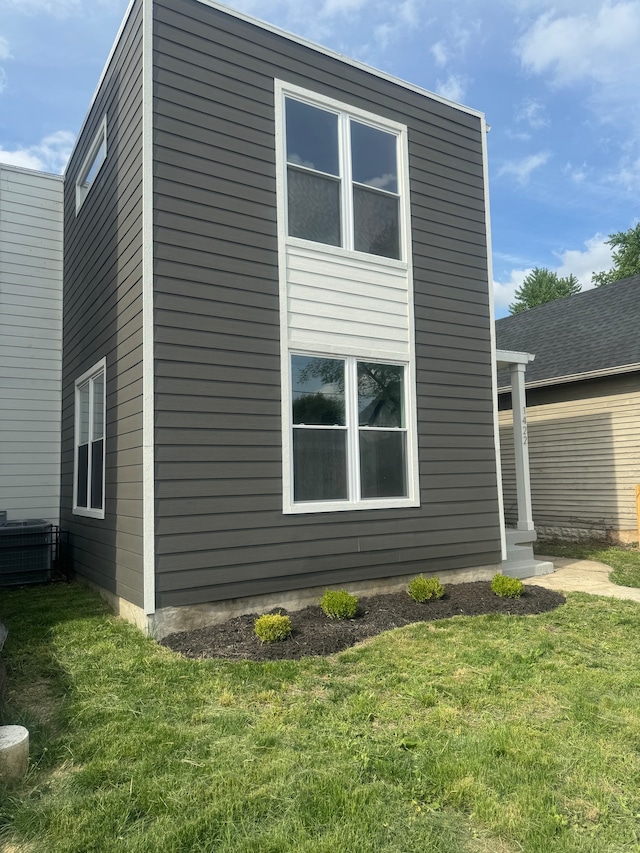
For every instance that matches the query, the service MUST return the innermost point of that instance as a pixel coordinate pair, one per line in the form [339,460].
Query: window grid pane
[83,420]
[373,157]
[318,390]
[97,428]
[383,463]
[89,474]
[376,223]
[320,464]
[314,207]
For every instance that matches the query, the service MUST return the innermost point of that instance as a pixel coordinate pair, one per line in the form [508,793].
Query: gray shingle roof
[592,332]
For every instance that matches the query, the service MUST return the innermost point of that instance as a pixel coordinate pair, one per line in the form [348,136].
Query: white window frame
[97,151]
[344,112]
[354,501]
[89,378]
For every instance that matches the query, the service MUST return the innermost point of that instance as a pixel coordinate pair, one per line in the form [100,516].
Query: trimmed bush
[425,589]
[507,587]
[339,604]
[272,627]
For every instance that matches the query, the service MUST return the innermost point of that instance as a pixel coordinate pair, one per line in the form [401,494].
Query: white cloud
[57,8]
[50,155]
[601,46]
[533,113]
[383,34]
[595,257]
[523,169]
[409,13]
[577,174]
[451,88]
[5,53]
[627,176]
[331,8]
[440,54]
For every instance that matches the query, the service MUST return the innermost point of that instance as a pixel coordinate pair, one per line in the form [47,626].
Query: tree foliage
[626,257]
[540,286]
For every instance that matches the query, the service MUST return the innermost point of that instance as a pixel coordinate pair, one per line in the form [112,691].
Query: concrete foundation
[169,620]
[14,754]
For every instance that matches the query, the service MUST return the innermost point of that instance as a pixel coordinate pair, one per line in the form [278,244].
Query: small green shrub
[507,587]
[425,589]
[339,604]
[272,627]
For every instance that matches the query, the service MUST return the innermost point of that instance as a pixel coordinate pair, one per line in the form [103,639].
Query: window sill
[346,506]
[88,513]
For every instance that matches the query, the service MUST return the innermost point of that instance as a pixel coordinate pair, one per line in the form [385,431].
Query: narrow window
[96,156]
[376,203]
[313,173]
[90,405]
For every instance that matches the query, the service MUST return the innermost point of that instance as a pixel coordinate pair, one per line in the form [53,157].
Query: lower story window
[349,431]
[90,407]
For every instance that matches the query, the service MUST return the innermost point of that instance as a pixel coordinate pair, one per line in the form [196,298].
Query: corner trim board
[148,402]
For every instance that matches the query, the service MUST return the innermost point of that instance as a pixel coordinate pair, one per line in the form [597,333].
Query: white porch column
[521,448]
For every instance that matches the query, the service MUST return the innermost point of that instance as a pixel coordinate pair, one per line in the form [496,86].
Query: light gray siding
[103,318]
[30,343]
[220,530]
[584,460]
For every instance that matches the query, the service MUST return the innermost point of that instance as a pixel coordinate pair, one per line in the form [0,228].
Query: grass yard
[492,733]
[624,561]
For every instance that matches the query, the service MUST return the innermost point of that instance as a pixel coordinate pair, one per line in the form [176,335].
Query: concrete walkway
[582,576]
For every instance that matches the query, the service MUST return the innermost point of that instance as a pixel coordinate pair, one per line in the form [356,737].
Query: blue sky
[557,80]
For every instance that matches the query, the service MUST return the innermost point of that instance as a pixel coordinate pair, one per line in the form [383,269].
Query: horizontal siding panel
[30,343]
[583,456]
[217,333]
[103,318]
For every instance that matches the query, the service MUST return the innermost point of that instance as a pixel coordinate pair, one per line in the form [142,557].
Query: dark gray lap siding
[103,317]
[220,530]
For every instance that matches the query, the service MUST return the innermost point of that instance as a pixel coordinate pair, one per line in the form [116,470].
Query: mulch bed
[315,634]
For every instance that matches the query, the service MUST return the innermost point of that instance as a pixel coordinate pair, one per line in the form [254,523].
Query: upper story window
[343,181]
[96,156]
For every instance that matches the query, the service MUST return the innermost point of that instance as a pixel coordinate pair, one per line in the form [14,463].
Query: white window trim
[412,498]
[344,111]
[82,188]
[89,512]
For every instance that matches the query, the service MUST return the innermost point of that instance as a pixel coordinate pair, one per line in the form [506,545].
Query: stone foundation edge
[568,533]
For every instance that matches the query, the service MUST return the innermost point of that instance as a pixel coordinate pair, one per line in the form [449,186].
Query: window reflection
[317,390]
[380,395]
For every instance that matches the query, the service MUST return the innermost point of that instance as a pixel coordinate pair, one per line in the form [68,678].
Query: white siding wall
[30,342]
[346,305]
[584,462]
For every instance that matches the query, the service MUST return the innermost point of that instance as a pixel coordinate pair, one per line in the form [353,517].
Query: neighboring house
[278,355]
[583,412]
[30,343]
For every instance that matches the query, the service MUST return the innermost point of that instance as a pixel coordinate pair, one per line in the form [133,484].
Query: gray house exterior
[208,289]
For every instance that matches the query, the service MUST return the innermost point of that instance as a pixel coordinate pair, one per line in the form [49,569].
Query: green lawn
[495,734]
[624,561]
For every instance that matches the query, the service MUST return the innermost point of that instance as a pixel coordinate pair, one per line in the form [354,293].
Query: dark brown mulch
[315,634]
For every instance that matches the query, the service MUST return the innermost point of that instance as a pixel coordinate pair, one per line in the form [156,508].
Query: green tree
[626,257]
[540,286]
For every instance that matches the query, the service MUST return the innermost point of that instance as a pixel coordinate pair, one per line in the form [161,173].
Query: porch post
[521,449]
